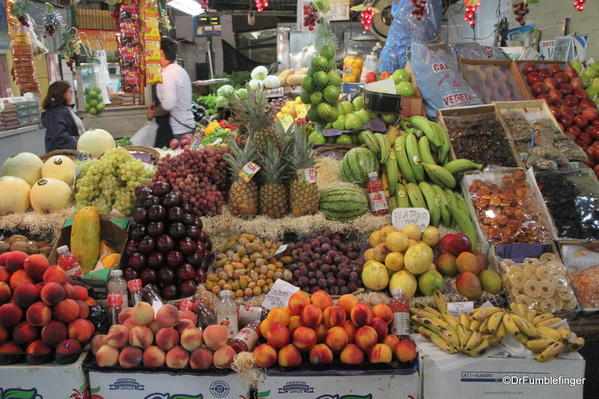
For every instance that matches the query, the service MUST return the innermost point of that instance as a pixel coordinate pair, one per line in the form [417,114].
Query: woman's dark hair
[56,94]
[169,46]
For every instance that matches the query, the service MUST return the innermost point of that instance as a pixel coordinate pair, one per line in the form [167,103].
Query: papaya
[85,237]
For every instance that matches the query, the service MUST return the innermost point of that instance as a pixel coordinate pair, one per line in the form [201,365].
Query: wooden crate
[475,110]
[410,71]
[509,64]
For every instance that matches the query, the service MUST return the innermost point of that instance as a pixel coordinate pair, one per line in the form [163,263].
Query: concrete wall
[489,14]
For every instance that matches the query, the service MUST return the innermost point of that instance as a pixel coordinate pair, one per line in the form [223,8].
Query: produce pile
[94,103]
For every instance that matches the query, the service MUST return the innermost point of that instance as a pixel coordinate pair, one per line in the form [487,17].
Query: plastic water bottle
[118,285]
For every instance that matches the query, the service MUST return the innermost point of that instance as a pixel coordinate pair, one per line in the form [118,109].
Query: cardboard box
[342,384]
[462,377]
[47,381]
[134,384]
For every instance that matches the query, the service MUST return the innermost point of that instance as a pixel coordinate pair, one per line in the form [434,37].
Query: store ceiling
[274,5]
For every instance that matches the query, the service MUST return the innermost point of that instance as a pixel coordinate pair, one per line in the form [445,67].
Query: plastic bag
[146,136]
[405,30]
[101,74]
[583,270]
[439,80]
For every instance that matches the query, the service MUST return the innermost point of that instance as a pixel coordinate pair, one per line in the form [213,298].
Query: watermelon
[343,203]
[357,164]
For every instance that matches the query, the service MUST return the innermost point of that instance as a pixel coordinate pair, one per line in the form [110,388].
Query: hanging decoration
[165,21]
[419,8]
[52,21]
[310,16]
[19,10]
[520,9]
[470,8]
[367,13]
[261,5]
[579,5]
[151,41]
[129,48]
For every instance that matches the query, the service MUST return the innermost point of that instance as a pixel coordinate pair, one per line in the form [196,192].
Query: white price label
[402,217]
[455,308]
[279,294]
[281,249]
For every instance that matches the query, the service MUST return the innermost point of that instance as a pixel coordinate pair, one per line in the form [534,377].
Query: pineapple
[259,121]
[274,198]
[304,195]
[243,196]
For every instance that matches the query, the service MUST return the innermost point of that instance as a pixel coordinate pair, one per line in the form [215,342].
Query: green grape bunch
[109,182]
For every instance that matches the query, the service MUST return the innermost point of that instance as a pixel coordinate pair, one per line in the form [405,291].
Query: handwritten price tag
[455,308]
[403,217]
[279,294]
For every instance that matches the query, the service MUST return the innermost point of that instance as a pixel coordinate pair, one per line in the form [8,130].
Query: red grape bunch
[261,4]
[579,5]
[310,16]
[366,18]
[520,9]
[419,8]
[470,9]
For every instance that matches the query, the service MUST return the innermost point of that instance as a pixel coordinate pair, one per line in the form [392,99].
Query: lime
[92,95]
[339,124]
[320,63]
[97,90]
[334,78]
[352,122]
[93,111]
[320,79]
[307,84]
[87,107]
[92,103]
[87,91]
[325,111]
[346,107]
[344,139]
[358,103]
[389,118]
[405,89]
[101,107]
[331,94]
[400,75]
[99,98]
[305,97]
[316,138]
[332,65]
[315,98]
[328,51]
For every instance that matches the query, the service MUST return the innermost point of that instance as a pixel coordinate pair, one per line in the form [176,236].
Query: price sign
[455,308]
[402,217]
[207,25]
[279,294]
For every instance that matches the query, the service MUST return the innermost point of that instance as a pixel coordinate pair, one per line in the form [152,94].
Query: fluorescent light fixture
[190,7]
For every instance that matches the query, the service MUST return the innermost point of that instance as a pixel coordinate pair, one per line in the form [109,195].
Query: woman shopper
[62,124]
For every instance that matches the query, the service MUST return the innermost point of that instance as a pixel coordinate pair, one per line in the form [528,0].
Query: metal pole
[210,66]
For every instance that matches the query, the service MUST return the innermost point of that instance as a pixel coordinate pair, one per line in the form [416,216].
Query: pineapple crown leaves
[255,108]
[302,156]
[274,168]
[238,157]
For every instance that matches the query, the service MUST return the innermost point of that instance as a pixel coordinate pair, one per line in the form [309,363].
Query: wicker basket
[73,154]
[154,155]
[338,150]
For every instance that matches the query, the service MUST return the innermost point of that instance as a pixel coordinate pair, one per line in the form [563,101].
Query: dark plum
[130,274]
[177,231]
[140,215]
[155,260]
[147,245]
[186,272]
[166,275]
[148,276]
[136,261]
[174,259]
[155,229]
[165,243]
[343,290]
[132,247]
[193,232]
[175,214]
[204,237]
[199,223]
[352,286]
[169,292]
[161,188]
[334,290]
[322,282]
[208,245]
[172,199]
[189,219]
[187,246]
[200,276]
[187,288]
[195,259]
[138,231]
[156,213]
[353,276]
[187,208]
[142,190]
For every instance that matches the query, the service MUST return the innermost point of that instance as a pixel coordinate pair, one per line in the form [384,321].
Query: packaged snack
[23,69]
[582,263]
[352,68]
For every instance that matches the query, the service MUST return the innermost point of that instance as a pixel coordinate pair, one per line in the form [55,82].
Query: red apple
[565,88]
[586,138]
[593,131]
[581,93]
[455,243]
[565,110]
[577,83]
[550,83]
[555,68]
[555,111]
[590,113]
[545,97]
[596,170]
[571,72]
[565,120]
[580,121]
[533,77]
[538,88]
[582,144]
[571,100]
[545,72]
[573,131]
[577,109]
[584,103]
[529,67]
[595,123]
[554,95]
[558,102]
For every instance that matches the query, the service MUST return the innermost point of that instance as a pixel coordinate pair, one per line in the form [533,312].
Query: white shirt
[174,94]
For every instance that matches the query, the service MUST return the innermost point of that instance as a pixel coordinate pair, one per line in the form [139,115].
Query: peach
[167,316]
[38,314]
[19,277]
[91,301]
[68,347]
[264,326]
[25,295]
[311,316]
[304,338]
[129,323]
[188,315]
[467,262]
[53,333]
[183,325]
[334,316]
[153,356]
[297,302]
[4,273]
[289,356]
[381,353]
[468,285]
[35,266]
[97,341]
[83,309]
[336,339]
[321,332]
[350,329]
[5,292]
[10,314]
[55,274]
[215,336]
[125,314]
[405,351]
[383,311]
[277,335]
[294,322]
[381,328]
[361,314]
[141,337]
[279,315]
[352,354]
[118,336]
[177,358]
[322,299]
[143,313]
[366,337]
[80,293]
[130,357]
[14,260]
[52,293]
[166,338]
[223,358]
[107,356]
[69,290]
[66,310]
[446,264]
[321,354]
[391,340]
[153,326]
[201,359]
[3,335]
[82,330]
[38,348]
[191,339]
[482,260]
[265,356]
[24,333]
[10,348]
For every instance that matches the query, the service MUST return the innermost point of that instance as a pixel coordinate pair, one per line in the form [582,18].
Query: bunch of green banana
[377,143]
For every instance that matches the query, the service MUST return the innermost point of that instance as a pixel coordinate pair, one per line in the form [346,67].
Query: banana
[495,321]
[483,313]
[474,341]
[518,308]
[440,302]
[550,322]
[538,345]
[462,205]
[392,202]
[500,331]
[423,313]
[403,201]
[415,196]
[443,204]
[414,157]
[443,344]
[549,333]
[464,335]
[465,224]
[521,337]
[525,326]
[494,340]
[437,325]
[370,141]
[576,344]
[425,332]
[484,327]
[422,123]
[551,352]
[452,337]
[475,325]
[477,351]
[450,319]
[440,174]
[542,317]
[510,324]
[392,172]
[384,147]
[432,311]
[530,315]
[461,165]
[425,150]
[564,333]
[465,320]
[402,159]
[432,202]
[445,142]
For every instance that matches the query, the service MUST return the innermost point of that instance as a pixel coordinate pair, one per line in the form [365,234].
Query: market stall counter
[120,121]
[27,138]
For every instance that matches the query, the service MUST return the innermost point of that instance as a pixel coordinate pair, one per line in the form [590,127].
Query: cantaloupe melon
[24,165]
[15,195]
[61,168]
[95,142]
[49,195]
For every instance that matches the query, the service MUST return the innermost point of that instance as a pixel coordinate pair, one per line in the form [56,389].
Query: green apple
[344,139]
[400,75]
[363,116]
[358,103]
[431,282]
[316,138]
[373,115]
[352,122]
[389,118]
[346,107]
[339,124]
[595,83]
[405,89]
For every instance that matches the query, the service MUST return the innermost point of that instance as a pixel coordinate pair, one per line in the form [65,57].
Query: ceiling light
[190,7]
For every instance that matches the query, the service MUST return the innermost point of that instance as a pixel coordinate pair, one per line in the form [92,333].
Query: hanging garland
[71,46]
[470,8]
[367,13]
[579,5]
[52,21]
[19,10]
[261,5]
[520,9]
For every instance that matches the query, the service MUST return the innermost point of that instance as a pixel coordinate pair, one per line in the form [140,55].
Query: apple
[584,103]
[545,97]
[455,243]
[565,120]
[571,100]
[565,110]
[400,75]
[538,88]
[533,77]
[573,131]
[577,109]
[555,111]
[595,123]
[577,83]
[580,121]
[555,68]
[565,88]
[529,67]
[593,131]
[405,89]
[582,144]
[550,83]
[586,138]
[545,72]
[581,94]
[590,113]
[554,95]
[571,72]
[596,170]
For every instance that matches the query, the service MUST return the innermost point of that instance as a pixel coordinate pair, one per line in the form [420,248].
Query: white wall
[487,15]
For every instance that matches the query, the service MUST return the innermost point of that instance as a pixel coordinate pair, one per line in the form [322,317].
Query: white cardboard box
[462,377]
[326,384]
[46,381]
[125,384]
